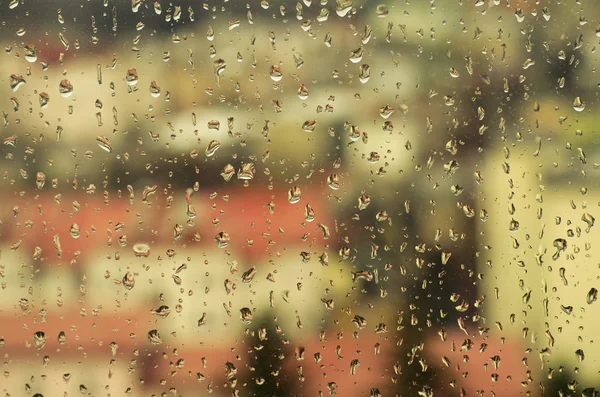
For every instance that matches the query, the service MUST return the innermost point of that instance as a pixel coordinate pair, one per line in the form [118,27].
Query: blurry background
[299,198]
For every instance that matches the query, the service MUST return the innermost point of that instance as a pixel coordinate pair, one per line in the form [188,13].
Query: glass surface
[299,198]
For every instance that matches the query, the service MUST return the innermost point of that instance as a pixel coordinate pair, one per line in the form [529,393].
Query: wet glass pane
[299,198]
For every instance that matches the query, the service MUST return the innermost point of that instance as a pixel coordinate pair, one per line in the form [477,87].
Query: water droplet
[222,239]
[578,104]
[154,337]
[141,250]
[128,281]
[294,195]
[154,89]
[353,366]
[528,63]
[323,15]
[37,253]
[363,202]
[343,7]
[44,98]
[364,73]
[246,315]
[24,304]
[162,311]
[39,340]
[520,15]
[309,125]
[234,24]
[212,148]
[309,213]
[246,172]
[228,172]
[16,81]
[591,296]
[546,13]
[382,11]
[248,275]
[386,111]
[303,92]
[40,180]
[131,77]
[367,34]
[275,73]
[104,143]
[30,53]
[373,157]
[214,125]
[74,230]
[65,88]
[333,181]
[356,55]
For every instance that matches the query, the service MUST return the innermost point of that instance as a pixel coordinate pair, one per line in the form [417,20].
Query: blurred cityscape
[299,198]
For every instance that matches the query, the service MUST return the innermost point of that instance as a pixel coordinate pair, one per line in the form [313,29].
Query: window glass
[303,198]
